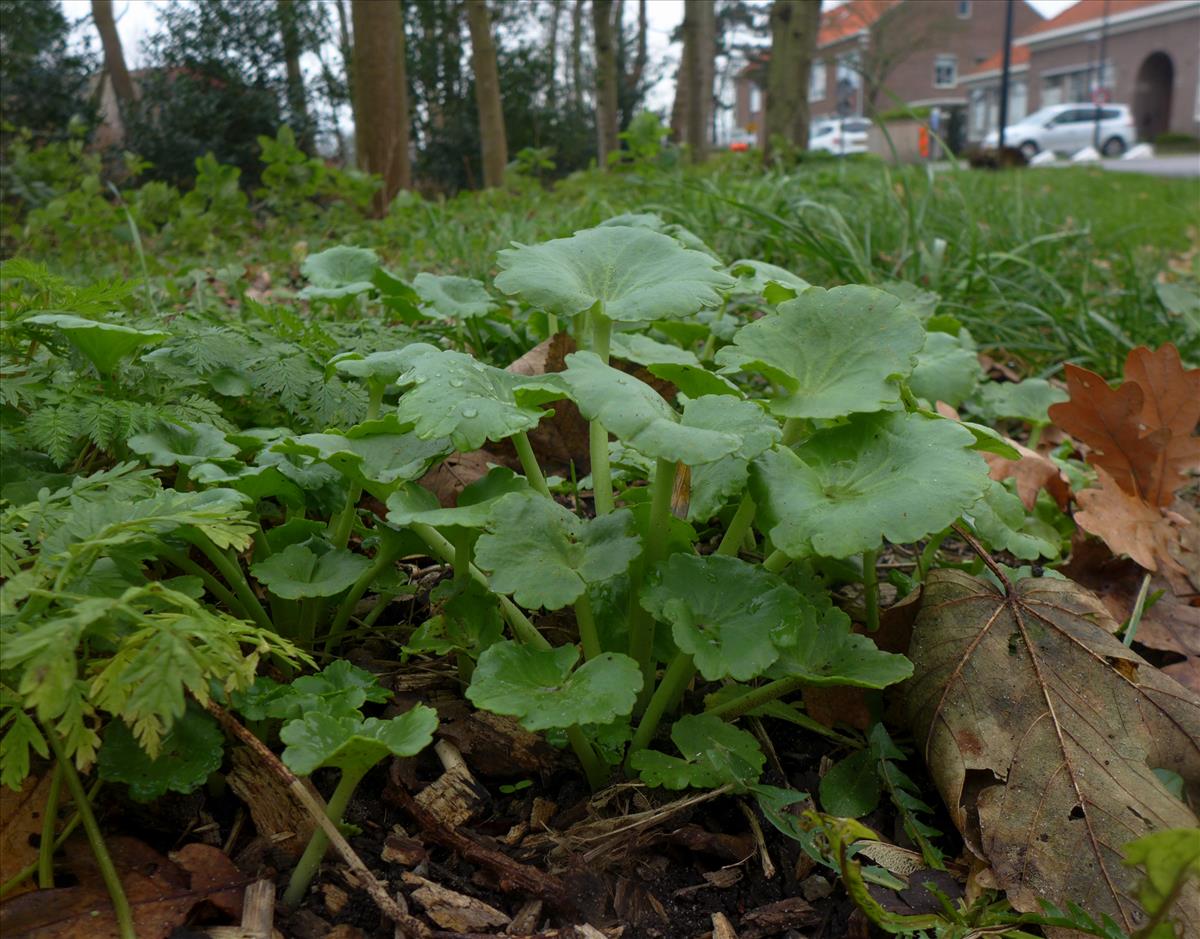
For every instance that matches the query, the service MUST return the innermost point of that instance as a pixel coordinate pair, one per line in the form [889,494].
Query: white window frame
[939,62]
[817,81]
[755,100]
[963,9]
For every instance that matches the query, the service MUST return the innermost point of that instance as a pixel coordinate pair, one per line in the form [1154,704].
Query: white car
[1068,128]
[848,135]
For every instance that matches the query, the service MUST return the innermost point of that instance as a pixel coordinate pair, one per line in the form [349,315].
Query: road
[1184,165]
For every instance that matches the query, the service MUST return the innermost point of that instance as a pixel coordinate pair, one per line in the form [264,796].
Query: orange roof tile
[1020,56]
[1086,10]
[850,18]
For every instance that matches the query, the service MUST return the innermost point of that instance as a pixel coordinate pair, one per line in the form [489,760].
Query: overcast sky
[136,19]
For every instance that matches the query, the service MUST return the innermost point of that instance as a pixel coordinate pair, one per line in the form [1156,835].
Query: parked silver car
[1068,128]
[848,135]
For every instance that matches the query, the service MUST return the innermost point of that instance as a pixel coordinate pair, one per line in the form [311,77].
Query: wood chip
[543,810]
[335,897]
[276,815]
[526,920]
[452,910]
[722,928]
[400,849]
[778,917]
[454,798]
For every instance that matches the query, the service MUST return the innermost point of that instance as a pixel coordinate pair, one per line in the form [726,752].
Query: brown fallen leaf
[561,439]
[1171,401]
[1042,733]
[1033,472]
[20,826]
[161,894]
[1128,524]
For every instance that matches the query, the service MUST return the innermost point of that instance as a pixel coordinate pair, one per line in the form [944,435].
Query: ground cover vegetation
[663,549]
[716,463]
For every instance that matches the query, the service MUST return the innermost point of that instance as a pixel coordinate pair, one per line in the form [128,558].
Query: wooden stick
[378,892]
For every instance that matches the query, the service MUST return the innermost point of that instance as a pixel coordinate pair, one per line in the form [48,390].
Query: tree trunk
[606,80]
[552,54]
[114,57]
[381,96]
[639,54]
[696,72]
[297,101]
[794,25]
[487,94]
[577,54]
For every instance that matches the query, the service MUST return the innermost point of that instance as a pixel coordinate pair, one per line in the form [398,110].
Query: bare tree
[552,55]
[606,80]
[637,76]
[696,73]
[114,56]
[794,26]
[297,100]
[487,93]
[381,96]
[577,53]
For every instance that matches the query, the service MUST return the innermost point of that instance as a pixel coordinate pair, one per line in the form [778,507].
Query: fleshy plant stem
[586,620]
[49,819]
[776,562]
[310,860]
[345,610]
[104,863]
[593,767]
[710,344]
[641,623]
[756,697]
[529,463]
[742,519]
[675,679]
[793,430]
[1035,436]
[929,554]
[522,628]
[214,586]
[871,589]
[228,567]
[597,434]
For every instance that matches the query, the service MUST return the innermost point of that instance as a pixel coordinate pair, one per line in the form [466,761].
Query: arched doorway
[1152,95]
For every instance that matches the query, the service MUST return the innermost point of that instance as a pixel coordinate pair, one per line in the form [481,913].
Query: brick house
[875,55]
[1151,62]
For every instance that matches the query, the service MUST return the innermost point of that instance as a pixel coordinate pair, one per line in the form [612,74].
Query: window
[978,112]
[1018,101]
[1052,92]
[847,70]
[755,99]
[964,9]
[816,81]
[945,71]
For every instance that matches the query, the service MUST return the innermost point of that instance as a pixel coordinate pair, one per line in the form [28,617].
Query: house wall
[1126,51]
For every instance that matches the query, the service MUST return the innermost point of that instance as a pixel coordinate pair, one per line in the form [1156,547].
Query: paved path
[1184,165]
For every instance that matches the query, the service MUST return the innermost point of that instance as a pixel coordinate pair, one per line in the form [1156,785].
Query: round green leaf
[889,475]
[188,753]
[453,297]
[538,687]
[350,743]
[453,395]
[1027,400]
[340,266]
[831,352]
[381,367]
[759,277]
[717,482]
[671,363]
[826,652]
[715,753]
[104,344]
[654,222]
[414,505]
[638,415]
[725,612]
[182,444]
[373,454]
[298,571]
[257,482]
[999,518]
[545,556]
[636,274]
[851,788]
[947,369]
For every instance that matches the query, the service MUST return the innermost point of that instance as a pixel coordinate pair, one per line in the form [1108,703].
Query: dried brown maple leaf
[1042,733]
[1127,524]
[1108,422]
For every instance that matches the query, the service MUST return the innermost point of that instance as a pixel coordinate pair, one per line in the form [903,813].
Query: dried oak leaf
[1141,432]
[1129,525]
[1042,733]
[1033,472]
